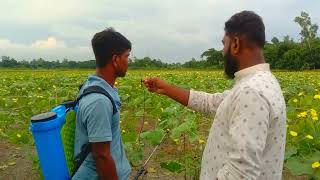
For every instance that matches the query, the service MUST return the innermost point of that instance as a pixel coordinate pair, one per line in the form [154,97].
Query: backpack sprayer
[54,136]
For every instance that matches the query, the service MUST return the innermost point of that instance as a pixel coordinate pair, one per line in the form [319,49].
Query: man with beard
[247,137]
[98,117]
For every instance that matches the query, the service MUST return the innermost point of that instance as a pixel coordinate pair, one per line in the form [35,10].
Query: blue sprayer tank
[45,129]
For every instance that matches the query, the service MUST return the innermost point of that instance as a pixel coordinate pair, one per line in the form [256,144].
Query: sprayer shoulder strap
[99,90]
[86,149]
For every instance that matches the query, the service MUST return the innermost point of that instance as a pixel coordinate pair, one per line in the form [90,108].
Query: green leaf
[298,167]
[154,137]
[308,89]
[134,152]
[307,100]
[315,156]
[139,113]
[193,137]
[169,110]
[183,128]
[290,150]
[172,166]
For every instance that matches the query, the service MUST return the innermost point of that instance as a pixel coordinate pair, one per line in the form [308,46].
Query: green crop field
[145,117]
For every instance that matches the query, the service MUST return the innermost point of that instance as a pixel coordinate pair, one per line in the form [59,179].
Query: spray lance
[142,170]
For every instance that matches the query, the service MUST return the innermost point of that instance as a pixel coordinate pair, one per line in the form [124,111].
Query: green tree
[308,30]
[213,57]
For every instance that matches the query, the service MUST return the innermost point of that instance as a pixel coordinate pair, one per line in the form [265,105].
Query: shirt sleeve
[98,116]
[249,124]
[205,102]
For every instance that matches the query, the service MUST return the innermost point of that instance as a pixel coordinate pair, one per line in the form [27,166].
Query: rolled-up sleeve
[249,124]
[205,102]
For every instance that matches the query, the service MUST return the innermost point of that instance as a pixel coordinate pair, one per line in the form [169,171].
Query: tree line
[280,54]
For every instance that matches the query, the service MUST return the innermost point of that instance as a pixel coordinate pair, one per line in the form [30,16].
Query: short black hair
[107,43]
[248,24]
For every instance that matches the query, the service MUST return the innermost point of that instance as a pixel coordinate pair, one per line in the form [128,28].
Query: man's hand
[155,85]
[161,87]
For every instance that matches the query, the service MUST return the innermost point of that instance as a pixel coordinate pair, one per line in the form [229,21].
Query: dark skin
[105,165]
[246,54]
[116,68]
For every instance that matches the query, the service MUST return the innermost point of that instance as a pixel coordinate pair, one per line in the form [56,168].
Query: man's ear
[114,60]
[235,45]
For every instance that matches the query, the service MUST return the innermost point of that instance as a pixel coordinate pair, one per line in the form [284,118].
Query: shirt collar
[251,70]
[96,80]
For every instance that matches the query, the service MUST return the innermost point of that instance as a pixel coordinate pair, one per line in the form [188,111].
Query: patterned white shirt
[247,137]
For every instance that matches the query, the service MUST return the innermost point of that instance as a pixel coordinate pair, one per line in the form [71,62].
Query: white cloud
[50,43]
[50,49]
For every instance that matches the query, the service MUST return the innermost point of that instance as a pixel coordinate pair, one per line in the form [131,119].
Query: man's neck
[107,74]
[251,59]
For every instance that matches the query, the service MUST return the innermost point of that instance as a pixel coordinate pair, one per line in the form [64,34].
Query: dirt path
[16,162]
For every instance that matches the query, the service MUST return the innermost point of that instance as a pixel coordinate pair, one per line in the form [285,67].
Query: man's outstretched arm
[199,101]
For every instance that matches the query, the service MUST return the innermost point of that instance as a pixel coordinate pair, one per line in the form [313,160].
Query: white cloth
[247,137]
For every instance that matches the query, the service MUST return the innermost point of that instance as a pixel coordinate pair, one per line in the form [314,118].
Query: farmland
[24,93]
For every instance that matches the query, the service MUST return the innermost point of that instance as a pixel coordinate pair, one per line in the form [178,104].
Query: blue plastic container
[46,133]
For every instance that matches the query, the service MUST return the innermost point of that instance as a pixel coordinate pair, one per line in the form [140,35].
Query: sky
[170,30]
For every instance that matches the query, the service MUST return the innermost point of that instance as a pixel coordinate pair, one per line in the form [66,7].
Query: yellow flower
[116,83]
[123,131]
[201,141]
[302,114]
[293,133]
[317,96]
[301,93]
[19,135]
[313,112]
[309,136]
[315,165]
[295,100]
[315,118]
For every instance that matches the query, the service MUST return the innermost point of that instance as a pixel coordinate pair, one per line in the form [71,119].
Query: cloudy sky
[172,30]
